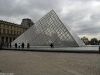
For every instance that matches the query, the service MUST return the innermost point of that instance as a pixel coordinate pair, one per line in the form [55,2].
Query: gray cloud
[81,15]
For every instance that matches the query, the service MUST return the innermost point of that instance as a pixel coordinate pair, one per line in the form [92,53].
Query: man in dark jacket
[99,49]
[22,45]
[51,45]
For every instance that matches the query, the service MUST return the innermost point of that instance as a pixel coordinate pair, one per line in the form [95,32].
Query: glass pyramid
[49,29]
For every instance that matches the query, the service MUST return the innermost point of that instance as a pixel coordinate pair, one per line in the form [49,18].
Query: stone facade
[10,31]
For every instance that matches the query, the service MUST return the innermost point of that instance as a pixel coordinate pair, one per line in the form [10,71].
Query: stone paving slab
[49,63]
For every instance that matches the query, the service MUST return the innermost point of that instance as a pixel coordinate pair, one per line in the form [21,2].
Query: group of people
[21,45]
[28,45]
[5,45]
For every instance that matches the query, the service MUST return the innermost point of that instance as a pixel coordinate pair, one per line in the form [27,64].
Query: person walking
[51,45]
[22,45]
[15,45]
[10,44]
[99,49]
[28,45]
[19,45]
[1,45]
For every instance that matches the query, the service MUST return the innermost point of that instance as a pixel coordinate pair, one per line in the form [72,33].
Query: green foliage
[93,41]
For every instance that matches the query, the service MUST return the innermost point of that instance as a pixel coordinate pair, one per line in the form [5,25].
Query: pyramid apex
[52,10]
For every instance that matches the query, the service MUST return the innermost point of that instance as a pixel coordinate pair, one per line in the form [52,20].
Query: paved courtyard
[49,63]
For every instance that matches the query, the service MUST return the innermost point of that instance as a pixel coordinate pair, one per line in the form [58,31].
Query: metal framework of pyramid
[49,29]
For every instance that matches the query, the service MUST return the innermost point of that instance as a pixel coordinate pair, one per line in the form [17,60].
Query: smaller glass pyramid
[49,29]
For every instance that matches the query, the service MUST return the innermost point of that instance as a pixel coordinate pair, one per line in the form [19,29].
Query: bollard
[99,49]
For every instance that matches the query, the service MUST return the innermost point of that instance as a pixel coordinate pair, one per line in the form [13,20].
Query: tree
[94,41]
[98,42]
[85,40]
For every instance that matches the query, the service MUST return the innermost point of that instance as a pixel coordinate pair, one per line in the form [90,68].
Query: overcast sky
[82,16]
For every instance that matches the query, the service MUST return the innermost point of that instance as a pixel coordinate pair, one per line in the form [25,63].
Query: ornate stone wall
[10,31]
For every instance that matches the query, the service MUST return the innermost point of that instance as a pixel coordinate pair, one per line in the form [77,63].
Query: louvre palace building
[10,31]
